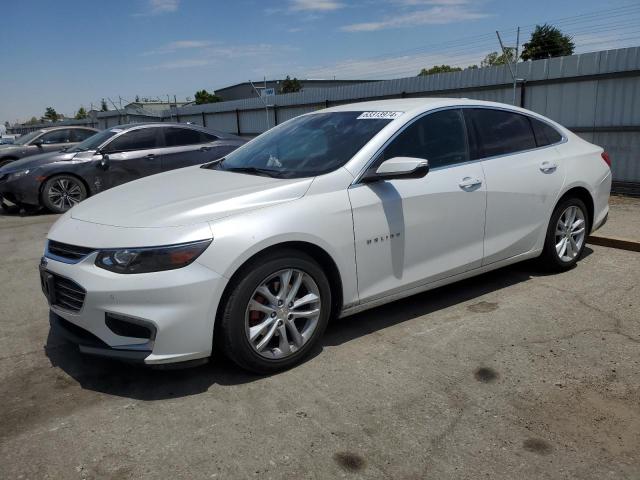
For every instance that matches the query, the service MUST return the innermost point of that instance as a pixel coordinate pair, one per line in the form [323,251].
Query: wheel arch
[57,174]
[583,194]
[319,254]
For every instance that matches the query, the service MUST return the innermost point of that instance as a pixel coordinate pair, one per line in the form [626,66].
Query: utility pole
[263,100]
[506,56]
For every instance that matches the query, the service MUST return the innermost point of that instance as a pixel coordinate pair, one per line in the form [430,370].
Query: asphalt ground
[513,374]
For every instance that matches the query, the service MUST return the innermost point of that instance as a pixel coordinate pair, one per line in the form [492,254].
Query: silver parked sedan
[51,139]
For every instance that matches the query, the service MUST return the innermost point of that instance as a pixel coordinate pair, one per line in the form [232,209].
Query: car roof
[127,126]
[60,127]
[416,105]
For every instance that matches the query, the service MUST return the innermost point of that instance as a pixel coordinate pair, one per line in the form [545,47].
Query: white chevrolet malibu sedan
[328,214]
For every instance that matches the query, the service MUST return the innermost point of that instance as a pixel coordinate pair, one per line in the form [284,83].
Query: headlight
[150,259]
[16,175]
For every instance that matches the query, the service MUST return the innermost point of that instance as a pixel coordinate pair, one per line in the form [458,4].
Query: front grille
[66,294]
[66,251]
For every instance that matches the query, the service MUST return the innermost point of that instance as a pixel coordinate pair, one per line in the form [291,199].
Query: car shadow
[144,383]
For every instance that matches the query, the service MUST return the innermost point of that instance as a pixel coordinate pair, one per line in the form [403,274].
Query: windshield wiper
[253,171]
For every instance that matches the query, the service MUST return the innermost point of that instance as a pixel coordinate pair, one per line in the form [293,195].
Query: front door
[410,232]
[134,154]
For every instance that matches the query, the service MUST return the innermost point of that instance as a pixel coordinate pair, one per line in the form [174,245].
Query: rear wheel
[276,312]
[62,192]
[566,235]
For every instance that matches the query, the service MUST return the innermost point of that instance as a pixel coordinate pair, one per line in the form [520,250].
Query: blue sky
[68,53]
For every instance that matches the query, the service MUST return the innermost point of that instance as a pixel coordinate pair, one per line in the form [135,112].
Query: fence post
[204,119]
[275,115]
[237,122]
[522,93]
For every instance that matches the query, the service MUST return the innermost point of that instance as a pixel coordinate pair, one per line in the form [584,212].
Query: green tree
[494,58]
[202,96]
[547,41]
[137,99]
[50,114]
[81,113]
[439,69]
[290,85]
[103,106]
[33,121]
[7,124]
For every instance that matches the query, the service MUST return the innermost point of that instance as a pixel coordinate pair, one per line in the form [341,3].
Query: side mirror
[37,143]
[398,168]
[104,163]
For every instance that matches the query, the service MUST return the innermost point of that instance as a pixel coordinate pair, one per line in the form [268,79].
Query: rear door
[409,232]
[185,147]
[133,154]
[524,177]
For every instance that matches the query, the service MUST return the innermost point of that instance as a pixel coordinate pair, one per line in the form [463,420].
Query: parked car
[51,139]
[330,213]
[60,180]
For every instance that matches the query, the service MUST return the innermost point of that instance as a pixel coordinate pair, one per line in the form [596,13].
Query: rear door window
[79,134]
[545,134]
[140,139]
[438,137]
[499,132]
[57,136]
[176,136]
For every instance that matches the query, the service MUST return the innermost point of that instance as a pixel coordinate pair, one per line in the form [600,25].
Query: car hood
[185,197]
[34,161]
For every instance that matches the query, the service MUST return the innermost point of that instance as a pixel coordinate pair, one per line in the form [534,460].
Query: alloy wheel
[570,233]
[282,313]
[64,193]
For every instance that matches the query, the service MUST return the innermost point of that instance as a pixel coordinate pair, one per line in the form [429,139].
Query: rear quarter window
[545,134]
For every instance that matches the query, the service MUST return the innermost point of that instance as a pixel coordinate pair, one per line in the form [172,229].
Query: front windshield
[27,138]
[306,146]
[94,141]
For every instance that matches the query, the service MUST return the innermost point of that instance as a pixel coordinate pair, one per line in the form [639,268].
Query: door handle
[151,156]
[469,183]
[205,149]
[548,167]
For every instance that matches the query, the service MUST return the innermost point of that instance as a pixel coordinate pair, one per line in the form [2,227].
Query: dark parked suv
[44,140]
[60,180]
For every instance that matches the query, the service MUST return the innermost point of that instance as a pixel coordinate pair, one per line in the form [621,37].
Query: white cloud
[216,53]
[163,6]
[431,16]
[180,45]
[314,5]
[389,67]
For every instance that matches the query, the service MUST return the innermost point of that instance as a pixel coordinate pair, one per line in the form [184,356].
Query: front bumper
[21,191]
[179,306]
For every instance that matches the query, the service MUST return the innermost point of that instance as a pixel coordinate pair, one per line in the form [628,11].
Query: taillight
[605,157]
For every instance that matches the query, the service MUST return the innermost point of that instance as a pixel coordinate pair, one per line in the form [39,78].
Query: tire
[238,317]
[53,193]
[551,258]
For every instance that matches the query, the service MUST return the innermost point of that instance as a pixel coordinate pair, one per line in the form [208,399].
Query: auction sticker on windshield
[379,115]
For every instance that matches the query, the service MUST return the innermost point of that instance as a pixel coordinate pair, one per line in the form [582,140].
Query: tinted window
[175,136]
[79,135]
[438,137]
[545,134]
[57,136]
[500,132]
[141,139]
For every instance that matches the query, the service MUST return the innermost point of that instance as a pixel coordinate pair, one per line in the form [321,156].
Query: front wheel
[62,192]
[276,312]
[566,235]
